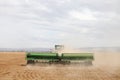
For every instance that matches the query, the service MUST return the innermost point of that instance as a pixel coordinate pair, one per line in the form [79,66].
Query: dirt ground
[11,69]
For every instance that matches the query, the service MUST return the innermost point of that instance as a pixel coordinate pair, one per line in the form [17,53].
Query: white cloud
[43,23]
[82,15]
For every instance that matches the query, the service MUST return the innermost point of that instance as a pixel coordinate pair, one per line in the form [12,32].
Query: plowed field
[11,68]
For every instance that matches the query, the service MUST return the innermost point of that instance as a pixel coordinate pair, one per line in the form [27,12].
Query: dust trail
[70,50]
[108,60]
[101,58]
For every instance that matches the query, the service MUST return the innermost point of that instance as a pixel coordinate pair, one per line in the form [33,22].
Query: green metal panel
[41,56]
[77,56]
[55,57]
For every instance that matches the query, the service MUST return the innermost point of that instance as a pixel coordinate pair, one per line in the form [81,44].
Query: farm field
[105,67]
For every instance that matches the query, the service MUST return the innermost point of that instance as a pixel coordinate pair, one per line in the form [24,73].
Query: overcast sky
[44,23]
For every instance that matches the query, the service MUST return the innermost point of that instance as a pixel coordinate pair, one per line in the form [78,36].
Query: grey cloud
[38,23]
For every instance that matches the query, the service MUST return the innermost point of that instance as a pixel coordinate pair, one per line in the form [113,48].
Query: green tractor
[54,57]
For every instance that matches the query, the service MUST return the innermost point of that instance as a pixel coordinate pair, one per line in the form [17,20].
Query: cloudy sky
[44,23]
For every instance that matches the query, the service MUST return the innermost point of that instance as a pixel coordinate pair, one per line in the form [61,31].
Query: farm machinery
[59,57]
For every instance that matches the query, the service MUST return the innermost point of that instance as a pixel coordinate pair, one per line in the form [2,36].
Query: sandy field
[105,67]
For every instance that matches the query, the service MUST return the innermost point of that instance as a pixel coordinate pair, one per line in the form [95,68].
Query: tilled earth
[12,67]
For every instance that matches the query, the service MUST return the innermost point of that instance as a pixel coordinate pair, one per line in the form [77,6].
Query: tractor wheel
[30,62]
[88,63]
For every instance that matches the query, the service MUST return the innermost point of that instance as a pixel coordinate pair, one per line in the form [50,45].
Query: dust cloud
[70,50]
[108,58]
[104,57]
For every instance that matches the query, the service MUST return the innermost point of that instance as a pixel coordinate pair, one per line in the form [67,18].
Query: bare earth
[11,69]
